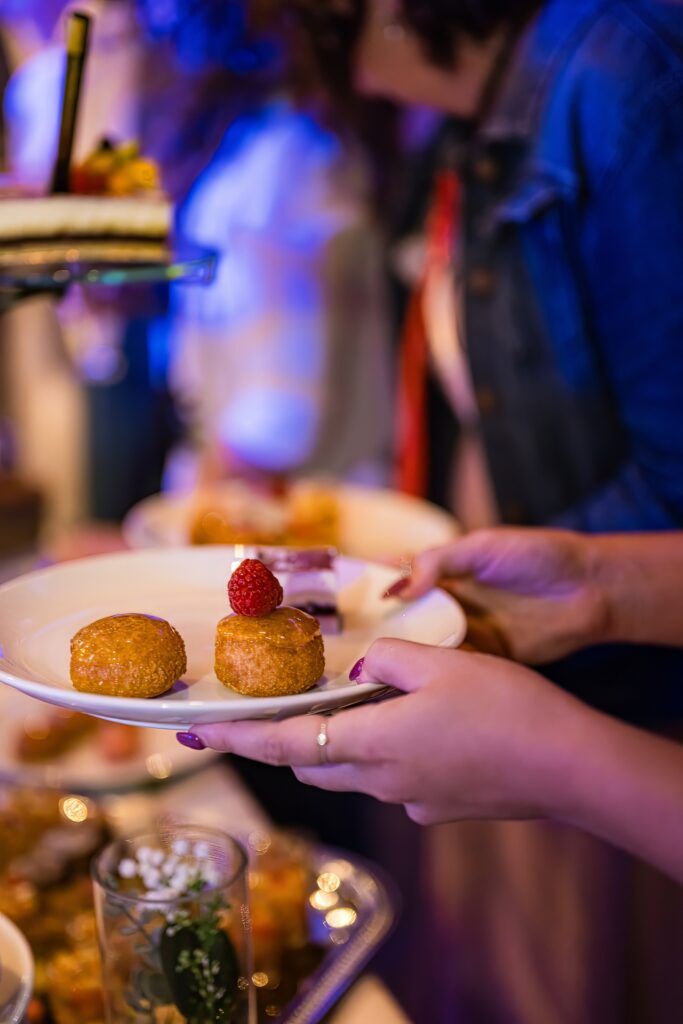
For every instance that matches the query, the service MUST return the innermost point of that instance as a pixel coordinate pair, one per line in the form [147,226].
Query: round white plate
[84,768]
[16,972]
[40,612]
[375,524]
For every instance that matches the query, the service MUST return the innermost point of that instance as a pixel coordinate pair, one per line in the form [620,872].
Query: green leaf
[187,982]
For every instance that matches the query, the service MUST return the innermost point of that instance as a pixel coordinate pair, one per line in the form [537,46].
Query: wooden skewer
[78,28]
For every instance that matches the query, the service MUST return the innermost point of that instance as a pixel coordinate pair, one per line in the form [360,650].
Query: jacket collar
[551,35]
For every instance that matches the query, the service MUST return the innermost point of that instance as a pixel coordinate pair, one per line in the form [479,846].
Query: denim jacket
[573,264]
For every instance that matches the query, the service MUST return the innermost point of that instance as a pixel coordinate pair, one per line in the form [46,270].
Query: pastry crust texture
[269,656]
[130,655]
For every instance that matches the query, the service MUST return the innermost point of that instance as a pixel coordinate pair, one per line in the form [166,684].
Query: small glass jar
[174,928]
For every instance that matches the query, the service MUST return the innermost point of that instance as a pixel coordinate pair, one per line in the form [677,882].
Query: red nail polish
[188,739]
[356,670]
[397,588]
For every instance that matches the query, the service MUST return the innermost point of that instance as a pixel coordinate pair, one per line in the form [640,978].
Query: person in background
[549,303]
[557,348]
[281,364]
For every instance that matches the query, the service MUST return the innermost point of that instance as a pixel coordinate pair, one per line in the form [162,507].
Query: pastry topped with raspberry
[263,650]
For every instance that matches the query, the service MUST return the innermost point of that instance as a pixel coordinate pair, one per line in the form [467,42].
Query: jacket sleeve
[631,253]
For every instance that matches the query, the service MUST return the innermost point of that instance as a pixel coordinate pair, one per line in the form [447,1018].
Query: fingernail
[397,588]
[188,739]
[357,669]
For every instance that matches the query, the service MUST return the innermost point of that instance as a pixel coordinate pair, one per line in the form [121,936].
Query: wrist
[568,777]
[553,769]
[613,577]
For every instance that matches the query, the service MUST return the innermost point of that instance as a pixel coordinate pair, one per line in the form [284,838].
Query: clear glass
[169,958]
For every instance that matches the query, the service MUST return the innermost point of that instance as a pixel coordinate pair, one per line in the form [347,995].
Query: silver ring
[322,739]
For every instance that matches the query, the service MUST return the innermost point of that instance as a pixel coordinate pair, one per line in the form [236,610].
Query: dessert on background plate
[242,516]
[309,582]
[263,650]
[115,207]
[375,524]
[305,515]
[54,748]
[128,655]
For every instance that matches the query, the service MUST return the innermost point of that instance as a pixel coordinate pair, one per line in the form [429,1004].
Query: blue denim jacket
[574,269]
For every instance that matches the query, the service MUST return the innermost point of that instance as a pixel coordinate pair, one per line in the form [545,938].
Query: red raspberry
[253,590]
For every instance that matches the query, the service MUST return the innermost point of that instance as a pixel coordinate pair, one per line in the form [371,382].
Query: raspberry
[253,590]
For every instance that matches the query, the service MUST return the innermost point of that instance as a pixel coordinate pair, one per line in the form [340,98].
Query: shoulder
[621,84]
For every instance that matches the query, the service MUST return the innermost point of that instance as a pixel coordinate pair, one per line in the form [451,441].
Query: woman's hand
[532,595]
[477,737]
[473,737]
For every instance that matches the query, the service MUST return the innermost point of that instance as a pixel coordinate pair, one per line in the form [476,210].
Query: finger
[464,557]
[351,736]
[276,743]
[407,666]
[349,778]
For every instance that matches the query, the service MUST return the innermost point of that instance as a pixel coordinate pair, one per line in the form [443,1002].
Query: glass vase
[174,928]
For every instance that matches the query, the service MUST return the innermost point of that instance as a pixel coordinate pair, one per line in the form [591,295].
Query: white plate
[375,524]
[16,972]
[39,613]
[84,768]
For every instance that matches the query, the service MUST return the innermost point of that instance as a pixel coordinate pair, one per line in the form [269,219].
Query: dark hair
[440,23]
[207,64]
[335,25]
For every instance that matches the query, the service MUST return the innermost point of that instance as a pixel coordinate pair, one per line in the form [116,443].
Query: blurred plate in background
[374,524]
[86,766]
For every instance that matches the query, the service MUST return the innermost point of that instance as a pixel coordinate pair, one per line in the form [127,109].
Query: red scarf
[412,442]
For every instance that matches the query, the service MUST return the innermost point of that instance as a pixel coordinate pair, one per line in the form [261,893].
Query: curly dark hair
[334,26]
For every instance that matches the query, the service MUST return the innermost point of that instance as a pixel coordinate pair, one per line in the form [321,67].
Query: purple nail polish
[188,739]
[356,670]
[397,588]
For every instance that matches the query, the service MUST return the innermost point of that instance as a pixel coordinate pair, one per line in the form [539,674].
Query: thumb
[463,558]
[407,666]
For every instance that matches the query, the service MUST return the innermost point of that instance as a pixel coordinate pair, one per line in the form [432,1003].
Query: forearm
[641,577]
[623,785]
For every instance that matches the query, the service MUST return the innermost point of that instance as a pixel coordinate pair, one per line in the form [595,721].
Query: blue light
[212,32]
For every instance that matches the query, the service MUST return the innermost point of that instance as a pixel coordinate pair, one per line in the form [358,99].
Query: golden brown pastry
[128,655]
[271,655]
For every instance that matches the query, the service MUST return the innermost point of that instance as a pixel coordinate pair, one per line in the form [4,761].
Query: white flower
[165,893]
[128,868]
[156,858]
[180,878]
[181,847]
[212,875]
[144,854]
[201,850]
[170,864]
[151,877]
